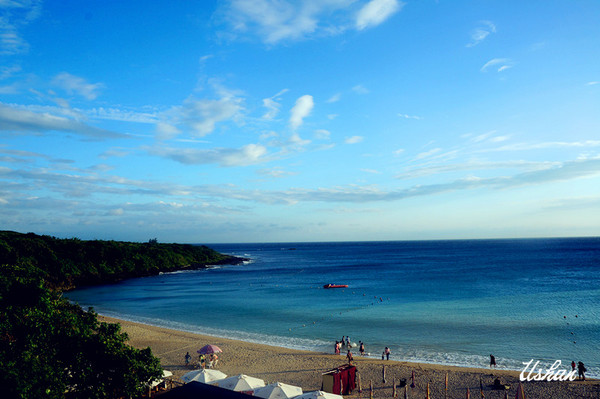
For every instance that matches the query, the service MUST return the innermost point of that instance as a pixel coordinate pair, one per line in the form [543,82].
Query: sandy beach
[304,369]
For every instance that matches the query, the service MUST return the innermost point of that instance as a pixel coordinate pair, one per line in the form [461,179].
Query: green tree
[50,348]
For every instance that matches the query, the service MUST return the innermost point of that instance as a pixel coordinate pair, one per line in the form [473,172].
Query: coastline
[304,368]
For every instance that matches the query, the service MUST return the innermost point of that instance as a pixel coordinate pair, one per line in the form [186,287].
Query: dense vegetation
[67,263]
[51,348]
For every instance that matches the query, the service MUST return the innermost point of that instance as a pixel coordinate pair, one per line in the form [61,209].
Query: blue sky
[316,120]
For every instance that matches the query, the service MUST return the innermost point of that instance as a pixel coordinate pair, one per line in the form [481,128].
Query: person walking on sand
[349,357]
[188,357]
[492,361]
[387,352]
[581,370]
[337,348]
[362,348]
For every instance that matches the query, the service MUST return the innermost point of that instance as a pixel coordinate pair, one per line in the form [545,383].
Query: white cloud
[275,21]
[301,110]
[276,172]
[592,83]
[502,64]
[8,72]
[354,139]
[428,154]
[322,134]
[548,144]
[14,16]
[247,155]
[296,141]
[14,119]
[166,131]
[272,105]
[405,116]
[481,32]
[375,12]
[335,98]
[360,89]
[201,116]
[76,85]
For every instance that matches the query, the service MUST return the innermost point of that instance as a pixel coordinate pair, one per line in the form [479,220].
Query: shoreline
[304,368]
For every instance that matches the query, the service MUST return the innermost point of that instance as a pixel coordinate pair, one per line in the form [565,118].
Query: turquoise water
[448,302]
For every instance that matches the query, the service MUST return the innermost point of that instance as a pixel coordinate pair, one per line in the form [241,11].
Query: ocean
[451,302]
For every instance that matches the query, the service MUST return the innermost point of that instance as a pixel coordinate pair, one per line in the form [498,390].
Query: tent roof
[196,389]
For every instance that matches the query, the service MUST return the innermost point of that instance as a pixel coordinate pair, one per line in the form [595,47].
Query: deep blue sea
[449,302]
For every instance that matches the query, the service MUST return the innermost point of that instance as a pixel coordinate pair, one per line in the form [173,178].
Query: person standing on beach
[492,361]
[349,357]
[387,352]
[188,357]
[581,370]
[362,348]
[337,348]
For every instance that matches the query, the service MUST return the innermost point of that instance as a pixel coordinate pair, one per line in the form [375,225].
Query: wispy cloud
[301,110]
[481,32]
[501,64]
[322,134]
[276,172]
[199,117]
[360,89]
[428,154]
[474,166]
[272,105]
[247,155]
[275,21]
[545,145]
[354,139]
[13,119]
[375,12]
[76,85]
[14,15]
[406,116]
[371,171]
[593,83]
[335,98]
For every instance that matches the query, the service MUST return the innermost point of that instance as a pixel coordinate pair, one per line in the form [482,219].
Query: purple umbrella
[209,349]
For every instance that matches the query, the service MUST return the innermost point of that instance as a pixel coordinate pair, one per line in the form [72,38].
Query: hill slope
[69,263]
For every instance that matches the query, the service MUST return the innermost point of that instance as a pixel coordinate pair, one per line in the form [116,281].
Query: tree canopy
[68,263]
[50,348]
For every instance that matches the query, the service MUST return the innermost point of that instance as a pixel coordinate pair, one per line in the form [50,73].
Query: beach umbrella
[239,383]
[278,390]
[319,395]
[205,375]
[166,373]
[206,349]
